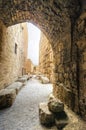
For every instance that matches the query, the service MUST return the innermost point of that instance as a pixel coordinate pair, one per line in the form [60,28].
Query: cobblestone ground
[23,115]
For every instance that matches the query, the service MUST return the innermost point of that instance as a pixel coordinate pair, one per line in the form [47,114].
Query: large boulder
[16,85]
[7,97]
[45,116]
[55,105]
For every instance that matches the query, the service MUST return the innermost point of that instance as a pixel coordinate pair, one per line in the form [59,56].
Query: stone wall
[65,73]
[65,29]
[80,41]
[28,66]
[59,63]
[46,57]
[11,53]
[69,59]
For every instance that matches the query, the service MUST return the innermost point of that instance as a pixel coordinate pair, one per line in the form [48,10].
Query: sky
[33,43]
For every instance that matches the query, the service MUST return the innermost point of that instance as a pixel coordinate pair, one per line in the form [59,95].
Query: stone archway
[56,19]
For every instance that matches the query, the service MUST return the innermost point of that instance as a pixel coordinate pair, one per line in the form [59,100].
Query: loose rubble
[46,117]
[8,95]
[53,113]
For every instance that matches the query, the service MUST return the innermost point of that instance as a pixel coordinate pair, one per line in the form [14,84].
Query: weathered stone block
[45,116]
[22,80]
[7,97]
[66,96]
[55,105]
[44,80]
[27,77]
[16,86]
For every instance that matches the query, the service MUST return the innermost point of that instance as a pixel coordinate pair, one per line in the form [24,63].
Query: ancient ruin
[62,46]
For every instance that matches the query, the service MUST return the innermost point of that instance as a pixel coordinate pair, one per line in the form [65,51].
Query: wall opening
[16,48]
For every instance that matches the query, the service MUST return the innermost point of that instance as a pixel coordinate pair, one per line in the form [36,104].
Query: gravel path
[23,115]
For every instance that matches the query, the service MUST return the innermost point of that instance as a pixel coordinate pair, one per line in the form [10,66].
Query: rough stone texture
[55,105]
[16,86]
[69,61]
[57,20]
[80,40]
[22,80]
[45,116]
[10,63]
[47,15]
[44,79]
[46,58]
[61,120]
[7,97]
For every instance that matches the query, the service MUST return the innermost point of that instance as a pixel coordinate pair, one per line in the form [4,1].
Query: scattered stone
[23,79]
[26,76]
[45,116]
[17,86]
[7,97]
[44,80]
[55,105]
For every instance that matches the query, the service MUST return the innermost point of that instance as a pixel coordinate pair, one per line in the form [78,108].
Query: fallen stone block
[7,98]
[61,119]
[27,77]
[23,80]
[44,80]
[55,105]
[16,85]
[45,116]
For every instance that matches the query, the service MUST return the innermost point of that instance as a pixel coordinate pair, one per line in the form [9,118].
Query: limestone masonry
[46,57]
[63,22]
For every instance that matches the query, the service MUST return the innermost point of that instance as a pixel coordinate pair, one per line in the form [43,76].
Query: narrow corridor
[23,115]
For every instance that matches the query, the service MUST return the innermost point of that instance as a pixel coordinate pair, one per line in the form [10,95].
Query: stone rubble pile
[8,95]
[52,113]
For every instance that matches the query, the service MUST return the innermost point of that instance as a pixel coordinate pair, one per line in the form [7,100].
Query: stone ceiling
[48,15]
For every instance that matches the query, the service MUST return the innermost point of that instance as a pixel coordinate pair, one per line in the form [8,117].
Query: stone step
[45,116]
[55,105]
[7,97]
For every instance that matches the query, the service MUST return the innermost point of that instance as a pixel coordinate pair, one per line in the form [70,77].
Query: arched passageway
[58,20]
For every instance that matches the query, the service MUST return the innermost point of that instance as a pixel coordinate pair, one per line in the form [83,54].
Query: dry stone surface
[16,86]
[44,80]
[55,105]
[22,79]
[57,20]
[46,117]
[7,97]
